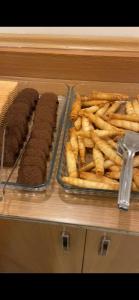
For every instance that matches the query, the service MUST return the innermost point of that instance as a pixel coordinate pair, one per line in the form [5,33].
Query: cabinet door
[36,247]
[110,252]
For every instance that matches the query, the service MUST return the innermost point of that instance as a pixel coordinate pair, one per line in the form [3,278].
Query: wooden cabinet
[37,247]
[122,253]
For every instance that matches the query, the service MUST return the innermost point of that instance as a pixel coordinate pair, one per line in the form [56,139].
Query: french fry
[94,177]
[136,106]
[126,124]
[78,123]
[87,167]
[108,96]
[92,109]
[136,176]
[76,107]
[74,142]
[93,102]
[129,108]
[115,106]
[71,162]
[113,174]
[82,150]
[133,118]
[103,110]
[89,184]
[106,149]
[99,161]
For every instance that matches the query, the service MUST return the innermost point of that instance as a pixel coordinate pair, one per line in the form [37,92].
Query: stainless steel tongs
[127,147]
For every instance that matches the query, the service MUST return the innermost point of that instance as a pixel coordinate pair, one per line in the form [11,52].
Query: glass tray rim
[71,188]
[45,185]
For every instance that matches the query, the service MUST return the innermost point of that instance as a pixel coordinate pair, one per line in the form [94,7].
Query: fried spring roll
[133,118]
[89,184]
[87,167]
[94,177]
[88,143]
[78,123]
[129,108]
[108,163]
[126,124]
[74,142]
[108,96]
[113,174]
[115,106]
[92,109]
[85,134]
[86,128]
[103,110]
[134,188]
[112,143]
[115,168]
[106,149]
[91,165]
[71,162]
[99,122]
[136,176]
[101,133]
[135,104]
[136,161]
[93,102]
[85,123]
[82,150]
[76,107]
[98,161]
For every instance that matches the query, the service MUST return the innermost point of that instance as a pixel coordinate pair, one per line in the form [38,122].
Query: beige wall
[91,31]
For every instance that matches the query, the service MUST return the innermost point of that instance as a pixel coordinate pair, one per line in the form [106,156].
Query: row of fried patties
[33,166]
[16,123]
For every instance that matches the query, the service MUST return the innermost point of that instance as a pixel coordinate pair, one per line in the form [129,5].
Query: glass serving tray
[84,89]
[8,176]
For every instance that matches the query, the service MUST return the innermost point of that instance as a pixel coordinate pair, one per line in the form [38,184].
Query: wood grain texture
[33,247]
[70,64]
[70,42]
[122,256]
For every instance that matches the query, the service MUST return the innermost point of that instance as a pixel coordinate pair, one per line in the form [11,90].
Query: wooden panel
[70,65]
[70,42]
[122,254]
[36,247]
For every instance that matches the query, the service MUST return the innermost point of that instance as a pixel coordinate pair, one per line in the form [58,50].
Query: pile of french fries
[91,151]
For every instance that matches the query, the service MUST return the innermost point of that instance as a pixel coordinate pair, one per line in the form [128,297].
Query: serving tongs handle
[126,180]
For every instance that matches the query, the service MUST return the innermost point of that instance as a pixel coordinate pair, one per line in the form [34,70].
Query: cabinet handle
[104,246]
[65,237]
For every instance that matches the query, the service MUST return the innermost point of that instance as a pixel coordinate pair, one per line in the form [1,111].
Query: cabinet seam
[84,251]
